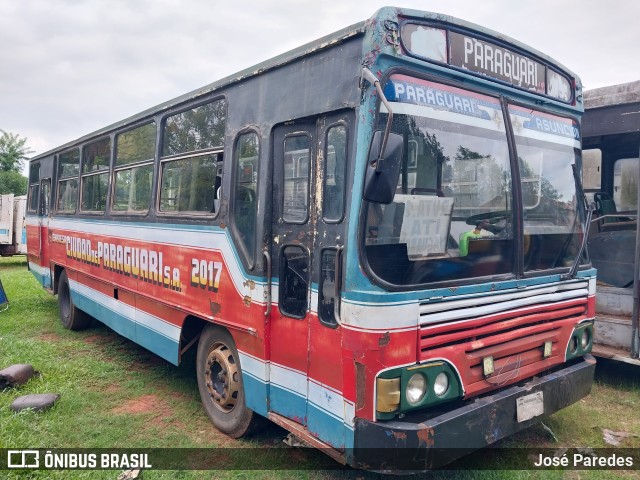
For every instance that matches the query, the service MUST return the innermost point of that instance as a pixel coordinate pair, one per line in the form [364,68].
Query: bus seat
[605,205]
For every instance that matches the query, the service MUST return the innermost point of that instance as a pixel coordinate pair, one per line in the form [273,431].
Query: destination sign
[497,62]
[485,58]
[405,89]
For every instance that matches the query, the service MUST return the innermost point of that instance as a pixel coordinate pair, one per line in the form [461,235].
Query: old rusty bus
[375,240]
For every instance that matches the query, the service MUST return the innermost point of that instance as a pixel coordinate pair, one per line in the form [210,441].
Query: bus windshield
[452,216]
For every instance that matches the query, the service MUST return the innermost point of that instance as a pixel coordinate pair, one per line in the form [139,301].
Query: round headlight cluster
[416,388]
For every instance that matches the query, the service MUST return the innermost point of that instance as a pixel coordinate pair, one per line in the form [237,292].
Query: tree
[13,152]
[13,182]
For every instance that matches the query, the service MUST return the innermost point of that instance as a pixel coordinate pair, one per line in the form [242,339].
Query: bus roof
[620,94]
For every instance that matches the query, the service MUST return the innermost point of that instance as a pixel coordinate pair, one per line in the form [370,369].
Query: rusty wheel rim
[222,377]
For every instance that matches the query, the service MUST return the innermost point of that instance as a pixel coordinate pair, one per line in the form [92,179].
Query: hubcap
[222,378]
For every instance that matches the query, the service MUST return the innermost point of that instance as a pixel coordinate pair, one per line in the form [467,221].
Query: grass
[115,394]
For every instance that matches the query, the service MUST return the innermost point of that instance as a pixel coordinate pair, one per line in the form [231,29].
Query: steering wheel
[489,221]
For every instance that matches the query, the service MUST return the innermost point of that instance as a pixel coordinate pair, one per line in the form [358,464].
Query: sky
[70,67]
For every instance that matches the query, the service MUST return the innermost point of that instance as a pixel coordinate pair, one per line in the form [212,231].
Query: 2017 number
[206,274]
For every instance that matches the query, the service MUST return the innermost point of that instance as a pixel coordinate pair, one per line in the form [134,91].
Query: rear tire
[71,317]
[221,386]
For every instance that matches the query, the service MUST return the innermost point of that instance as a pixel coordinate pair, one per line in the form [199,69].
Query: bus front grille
[510,328]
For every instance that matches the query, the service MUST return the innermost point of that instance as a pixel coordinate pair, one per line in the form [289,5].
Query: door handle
[267,262]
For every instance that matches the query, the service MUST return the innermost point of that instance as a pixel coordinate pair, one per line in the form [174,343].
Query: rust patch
[250,284]
[216,308]
[384,340]
[425,437]
[247,301]
[360,385]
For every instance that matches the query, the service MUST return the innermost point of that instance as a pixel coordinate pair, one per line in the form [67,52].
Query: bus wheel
[220,383]
[71,317]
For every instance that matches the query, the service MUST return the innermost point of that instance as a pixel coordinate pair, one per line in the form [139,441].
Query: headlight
[585,338]
[573,344]
[441,384]
[416,388]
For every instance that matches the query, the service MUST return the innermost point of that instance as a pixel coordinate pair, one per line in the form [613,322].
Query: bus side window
[67,189]
[327,287]
[94,177]
[133,175]
[34,191]
[46,192]
[190,164]
[244,208]
[334,175]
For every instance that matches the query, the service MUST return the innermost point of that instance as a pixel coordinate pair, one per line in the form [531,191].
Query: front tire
[220,384]
[71,317]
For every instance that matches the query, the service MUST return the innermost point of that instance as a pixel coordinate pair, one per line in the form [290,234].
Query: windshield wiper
[590,207]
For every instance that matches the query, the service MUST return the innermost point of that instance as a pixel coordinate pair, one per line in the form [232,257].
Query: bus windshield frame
[486,189]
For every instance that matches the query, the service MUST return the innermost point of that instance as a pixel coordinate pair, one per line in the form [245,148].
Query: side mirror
[381,178]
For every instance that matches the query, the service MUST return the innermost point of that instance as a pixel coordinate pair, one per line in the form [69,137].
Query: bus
[13,233]
[611,147]
[376,240]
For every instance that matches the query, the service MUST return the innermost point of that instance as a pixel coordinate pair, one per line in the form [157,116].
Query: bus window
[591,169]
[625,184]
[327,287]
[335,172]
[297,169]
[294,279]
[67,191]
[199,128]
[244,209]
[34,184]
[95,175]
[191,182]
[133,176]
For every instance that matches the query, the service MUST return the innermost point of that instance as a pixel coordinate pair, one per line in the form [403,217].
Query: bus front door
[308,205]
[292,240]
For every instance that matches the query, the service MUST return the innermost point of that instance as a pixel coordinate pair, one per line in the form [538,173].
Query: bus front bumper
[417,442]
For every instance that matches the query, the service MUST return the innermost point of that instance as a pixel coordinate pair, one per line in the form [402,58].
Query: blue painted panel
[326,427]
[115,321]
[288,404]
[44,280]
[255,394]
[162,346]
